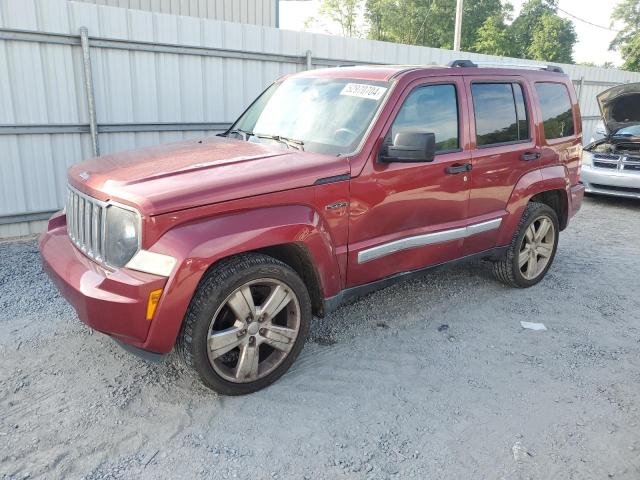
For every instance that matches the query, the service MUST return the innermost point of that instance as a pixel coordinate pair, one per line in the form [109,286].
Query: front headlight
[587,158]
[122,235]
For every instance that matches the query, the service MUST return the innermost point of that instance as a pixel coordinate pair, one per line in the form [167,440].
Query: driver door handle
[458,168]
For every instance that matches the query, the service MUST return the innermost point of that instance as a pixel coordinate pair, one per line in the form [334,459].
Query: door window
[430,109]
[557,114]
[500,112]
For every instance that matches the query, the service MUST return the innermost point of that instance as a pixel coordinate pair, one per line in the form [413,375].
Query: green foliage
[344,13]
[522,29]
[627,41]
[492,37]
[475,16]
[427,22]
[537,33]
[553,40]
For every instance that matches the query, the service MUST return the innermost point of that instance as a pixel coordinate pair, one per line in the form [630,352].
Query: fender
[201,243]
[553,177]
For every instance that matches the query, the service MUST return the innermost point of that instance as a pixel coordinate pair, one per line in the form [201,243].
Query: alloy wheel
[537,247]
[254,330]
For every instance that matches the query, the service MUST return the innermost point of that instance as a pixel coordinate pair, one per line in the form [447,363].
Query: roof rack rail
[461,63]
[528,66]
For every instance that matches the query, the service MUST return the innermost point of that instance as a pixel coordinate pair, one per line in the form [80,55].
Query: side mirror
[408,147]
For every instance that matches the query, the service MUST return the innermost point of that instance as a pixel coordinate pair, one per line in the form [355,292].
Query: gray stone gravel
[433,378]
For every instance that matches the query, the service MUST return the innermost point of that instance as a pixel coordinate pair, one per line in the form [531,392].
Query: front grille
[605,165]
[606,156]
[85,223]
[632,166]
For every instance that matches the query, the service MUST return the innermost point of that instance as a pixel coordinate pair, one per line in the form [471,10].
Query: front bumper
[610,182]
[112,302]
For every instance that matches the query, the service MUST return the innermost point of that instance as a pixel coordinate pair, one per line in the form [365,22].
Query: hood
[176,176]
[620,107]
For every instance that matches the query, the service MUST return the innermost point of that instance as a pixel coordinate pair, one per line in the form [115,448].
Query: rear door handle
[528,156]
[457,168]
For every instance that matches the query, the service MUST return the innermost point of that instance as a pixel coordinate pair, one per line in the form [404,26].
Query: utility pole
[458,29]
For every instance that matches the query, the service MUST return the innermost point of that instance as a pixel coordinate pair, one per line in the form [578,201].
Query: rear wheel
[532,248]
[246,324]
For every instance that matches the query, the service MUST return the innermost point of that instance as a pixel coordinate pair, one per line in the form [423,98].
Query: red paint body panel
[202,201]
[391,201]
[112,302]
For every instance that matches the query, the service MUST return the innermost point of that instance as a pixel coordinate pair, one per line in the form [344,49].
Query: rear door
[503,149]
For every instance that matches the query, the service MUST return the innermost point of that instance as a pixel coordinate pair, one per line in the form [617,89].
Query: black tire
[215,287]
[507,268]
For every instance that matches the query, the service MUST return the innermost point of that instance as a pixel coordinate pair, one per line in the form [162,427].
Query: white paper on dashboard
[362,90]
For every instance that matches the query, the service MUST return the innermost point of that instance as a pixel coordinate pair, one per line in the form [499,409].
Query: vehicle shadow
[615,202]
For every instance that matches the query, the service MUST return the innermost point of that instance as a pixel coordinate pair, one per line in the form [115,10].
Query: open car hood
[620,107]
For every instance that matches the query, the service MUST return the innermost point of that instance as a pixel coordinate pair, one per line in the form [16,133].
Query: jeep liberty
[333,183]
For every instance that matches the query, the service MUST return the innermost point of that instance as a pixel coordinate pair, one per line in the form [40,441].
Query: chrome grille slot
[631,163]
[605,164]
[607,156]
[85,223]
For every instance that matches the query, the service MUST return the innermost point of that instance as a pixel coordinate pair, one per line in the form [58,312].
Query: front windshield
[320,115]
[632,131]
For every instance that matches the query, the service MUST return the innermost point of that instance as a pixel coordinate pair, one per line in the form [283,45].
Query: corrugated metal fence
[156,78]
[256,12]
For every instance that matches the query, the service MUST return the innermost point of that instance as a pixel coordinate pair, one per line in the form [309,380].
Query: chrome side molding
[427,239]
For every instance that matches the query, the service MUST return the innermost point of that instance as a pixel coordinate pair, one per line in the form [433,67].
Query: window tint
[556,110]
[434,109]
[500,112]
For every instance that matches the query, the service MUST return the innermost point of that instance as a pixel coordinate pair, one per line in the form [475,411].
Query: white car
[611,162]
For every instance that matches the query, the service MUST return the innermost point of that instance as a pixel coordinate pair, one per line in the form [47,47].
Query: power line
[587,21]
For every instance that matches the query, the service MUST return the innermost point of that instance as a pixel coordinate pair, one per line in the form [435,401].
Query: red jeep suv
[332,183]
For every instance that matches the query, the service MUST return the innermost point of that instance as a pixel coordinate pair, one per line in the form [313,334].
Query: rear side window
[433,109]
[501,114]
[557,114]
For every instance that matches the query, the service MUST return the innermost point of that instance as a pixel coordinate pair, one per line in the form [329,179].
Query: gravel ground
[432,378]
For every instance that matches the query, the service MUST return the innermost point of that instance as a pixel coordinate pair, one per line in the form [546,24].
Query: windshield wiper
[243,133]
[289,142]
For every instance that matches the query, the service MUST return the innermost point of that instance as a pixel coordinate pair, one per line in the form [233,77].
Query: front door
[405,216]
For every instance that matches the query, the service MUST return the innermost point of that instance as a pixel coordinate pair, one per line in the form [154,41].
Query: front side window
[322,115]
[430,109]
[501,114]
[557,114]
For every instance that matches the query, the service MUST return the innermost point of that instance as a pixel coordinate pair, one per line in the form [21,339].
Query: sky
[592,45]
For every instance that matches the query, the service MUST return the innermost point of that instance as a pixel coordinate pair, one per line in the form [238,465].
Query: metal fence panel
[157,78]
[258,12]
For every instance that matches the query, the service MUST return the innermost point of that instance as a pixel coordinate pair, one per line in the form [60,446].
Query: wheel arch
[294,234]
[547,185]
[300,259]
[558,201]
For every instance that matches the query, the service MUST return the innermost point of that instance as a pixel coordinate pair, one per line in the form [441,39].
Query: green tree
[428,22]
[492,37]
[553,40]
[342,12]
[522,29]
[627,41]
[475,15]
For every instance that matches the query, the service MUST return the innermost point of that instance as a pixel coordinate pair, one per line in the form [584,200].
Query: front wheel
[246,324]
[532,248]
